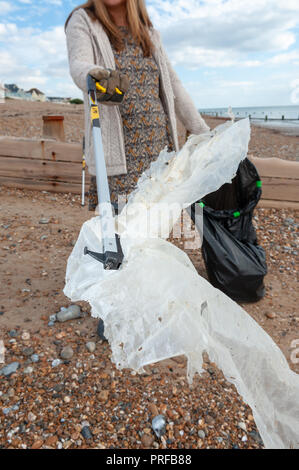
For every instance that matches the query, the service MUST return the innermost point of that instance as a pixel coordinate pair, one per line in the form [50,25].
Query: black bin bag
[234,261]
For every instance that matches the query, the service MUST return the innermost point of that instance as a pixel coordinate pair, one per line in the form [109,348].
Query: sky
[226,52]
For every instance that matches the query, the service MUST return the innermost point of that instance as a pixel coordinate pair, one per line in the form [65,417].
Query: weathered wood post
[53,127]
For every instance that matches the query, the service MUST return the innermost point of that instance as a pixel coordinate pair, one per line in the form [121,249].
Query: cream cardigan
[89,47]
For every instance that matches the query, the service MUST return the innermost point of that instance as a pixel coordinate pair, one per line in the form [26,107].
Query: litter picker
[111,255]
[83,173]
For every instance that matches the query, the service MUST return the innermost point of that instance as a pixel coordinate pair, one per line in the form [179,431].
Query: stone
[28,370]
[91,346]
[103,396]
[288,221]
[201,434]
[153,409]
[31,416]
[67,353]
[25,336]
[28,351]
[11,392]
[34,358]
[159,425]
[147,440]
[209,419]
[270,315]
[86,432]
[242,426]
[9,369]
[256,436]
[53,318]
[13,333]
[56,362]
[51,441]
[44,221]
[71,313]
[37,444]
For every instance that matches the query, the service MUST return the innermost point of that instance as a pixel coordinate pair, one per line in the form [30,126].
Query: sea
[269,116]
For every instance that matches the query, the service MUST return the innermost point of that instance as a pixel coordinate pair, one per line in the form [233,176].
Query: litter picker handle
[111,255]
[94,86]
[83,173]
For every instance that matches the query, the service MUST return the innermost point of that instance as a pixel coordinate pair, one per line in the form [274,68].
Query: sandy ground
[45,407]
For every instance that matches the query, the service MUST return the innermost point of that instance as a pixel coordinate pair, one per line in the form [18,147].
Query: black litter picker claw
[111,255]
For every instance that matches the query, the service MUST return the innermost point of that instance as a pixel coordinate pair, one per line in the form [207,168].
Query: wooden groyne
[51,165]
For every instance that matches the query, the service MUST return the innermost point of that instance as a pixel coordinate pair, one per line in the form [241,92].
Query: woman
[115,42]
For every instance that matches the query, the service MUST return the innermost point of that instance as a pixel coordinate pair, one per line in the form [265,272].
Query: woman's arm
[184,106]
[80,51]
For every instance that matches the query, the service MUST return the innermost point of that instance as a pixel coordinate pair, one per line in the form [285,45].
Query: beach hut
[36,95]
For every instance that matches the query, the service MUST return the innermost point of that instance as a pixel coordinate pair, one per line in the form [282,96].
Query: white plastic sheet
[156,306]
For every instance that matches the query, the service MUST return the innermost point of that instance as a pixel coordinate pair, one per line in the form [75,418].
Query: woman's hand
[111,80]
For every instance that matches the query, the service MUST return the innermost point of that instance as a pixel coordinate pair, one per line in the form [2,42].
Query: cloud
[6,7]
[269,90]
[234,47]
[289,57]
[195,31]
[33,57]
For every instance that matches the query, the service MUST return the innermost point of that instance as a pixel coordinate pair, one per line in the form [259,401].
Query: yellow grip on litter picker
[104,90]
[94,112]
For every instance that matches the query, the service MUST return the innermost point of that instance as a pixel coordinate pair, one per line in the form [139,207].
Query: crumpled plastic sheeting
[175,181]
[156,306]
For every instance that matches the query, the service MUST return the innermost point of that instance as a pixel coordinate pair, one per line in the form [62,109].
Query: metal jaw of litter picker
[111,255]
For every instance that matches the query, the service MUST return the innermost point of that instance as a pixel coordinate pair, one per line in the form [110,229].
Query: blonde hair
[138,20]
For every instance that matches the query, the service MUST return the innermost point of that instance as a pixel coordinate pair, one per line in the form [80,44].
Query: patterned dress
[145,122]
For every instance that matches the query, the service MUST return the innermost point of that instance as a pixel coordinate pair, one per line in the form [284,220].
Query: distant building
[13,91]
[12,88]
[57,99]
[36,95]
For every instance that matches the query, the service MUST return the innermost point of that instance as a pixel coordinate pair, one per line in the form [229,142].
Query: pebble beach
[59,387]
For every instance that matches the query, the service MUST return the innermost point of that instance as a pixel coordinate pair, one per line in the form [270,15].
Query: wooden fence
[50,165]
[44,164]
[280,182]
